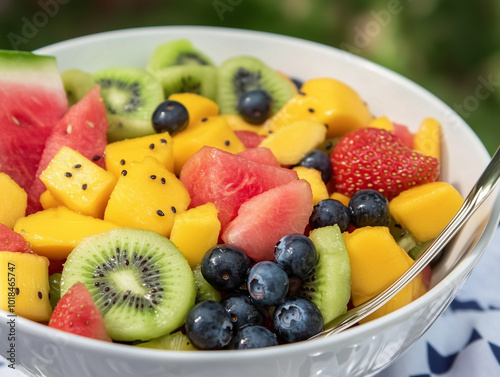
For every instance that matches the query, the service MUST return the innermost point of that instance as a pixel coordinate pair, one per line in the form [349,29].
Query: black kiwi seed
[245,81]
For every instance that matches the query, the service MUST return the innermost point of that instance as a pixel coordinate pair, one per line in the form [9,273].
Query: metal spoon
[481,190]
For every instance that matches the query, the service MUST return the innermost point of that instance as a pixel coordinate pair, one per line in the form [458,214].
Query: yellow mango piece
[198,107]
[195,231]
[55,232]
[13,201]
[291,143]
[148,196]
[376,261]
[344,199]
[313,176]
[327,101]
[237,123]
[78,183]
[48,201]
[428,138]
[213,132]
[119,155]
[426,209]
[24,285]
[382,122]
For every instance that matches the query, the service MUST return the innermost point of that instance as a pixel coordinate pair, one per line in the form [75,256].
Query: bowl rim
[307,346]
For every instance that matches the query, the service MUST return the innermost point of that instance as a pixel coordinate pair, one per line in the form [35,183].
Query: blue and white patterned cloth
[464,341]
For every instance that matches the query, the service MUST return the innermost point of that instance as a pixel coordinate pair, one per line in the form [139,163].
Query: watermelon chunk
[404,134]
[13,241]
[32,100]
[262,155]
[264,219]
[228,180]
[249,139]
[83,128]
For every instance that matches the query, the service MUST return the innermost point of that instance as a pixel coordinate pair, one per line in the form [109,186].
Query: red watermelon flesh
[228,180]
[262,155]
[264,219]
[32,100]
[12,241]
[404,134]
[83,128]
[249,139]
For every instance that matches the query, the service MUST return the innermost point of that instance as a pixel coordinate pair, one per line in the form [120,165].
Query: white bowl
[359,351]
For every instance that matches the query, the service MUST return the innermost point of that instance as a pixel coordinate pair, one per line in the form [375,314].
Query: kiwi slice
[242,74]
[329,284]
[131,95]
[139,280]
[55,289]
[204,290]
[179,52]
[77,84]
[176,341]
[182,68]
[197,79]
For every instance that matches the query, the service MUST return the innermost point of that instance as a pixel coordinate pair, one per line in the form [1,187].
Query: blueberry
[298,83]
[369,208]
[253,337]
[255,106]
[320,161]
[267,283]
[243,311]
[209,326]
[330,212]
[296,254]
[170,116]
[297,319]
[225,267]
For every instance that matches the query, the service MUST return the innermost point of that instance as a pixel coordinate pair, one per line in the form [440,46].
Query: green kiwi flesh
[177,341]
[329,285]
[177,53]
[204,291]
[55,289]
[77,84]
[130,95]
[244,73]
[197,79]
[139,280]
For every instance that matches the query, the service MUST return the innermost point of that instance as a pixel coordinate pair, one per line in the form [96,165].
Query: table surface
[443,351]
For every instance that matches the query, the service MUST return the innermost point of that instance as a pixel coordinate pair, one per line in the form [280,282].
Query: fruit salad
[193,206]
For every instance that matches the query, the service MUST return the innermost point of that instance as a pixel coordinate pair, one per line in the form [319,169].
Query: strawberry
[13,241]
[77,313]
[373,158]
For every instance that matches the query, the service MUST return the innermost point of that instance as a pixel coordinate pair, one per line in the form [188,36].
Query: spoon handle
[483,187]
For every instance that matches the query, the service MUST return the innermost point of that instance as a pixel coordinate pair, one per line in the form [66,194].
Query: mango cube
[120,154]
[195,231]
[428,138]
[55,232]
[213,132]
[425,210]
[344,199]
[78,183]
[326,101]
[47,200]
[292,142]
[13,201]
[24,285]
[377,261]
[313,176]
[198,107]
[147,196]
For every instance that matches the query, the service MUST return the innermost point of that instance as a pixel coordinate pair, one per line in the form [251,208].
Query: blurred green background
[452,48]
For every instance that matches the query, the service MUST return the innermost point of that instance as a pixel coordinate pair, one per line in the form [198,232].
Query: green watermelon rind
[25,66]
